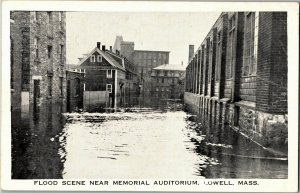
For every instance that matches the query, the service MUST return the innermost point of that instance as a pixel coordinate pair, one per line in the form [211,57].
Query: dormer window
[99,58]
[92,58]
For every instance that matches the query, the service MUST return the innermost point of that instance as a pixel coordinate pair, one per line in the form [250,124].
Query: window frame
[99,58]
[250,44]
[93,58]
[36,47]
[231,46]
[109,88]
[109,73]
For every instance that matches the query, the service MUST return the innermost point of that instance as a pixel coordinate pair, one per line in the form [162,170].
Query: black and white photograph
[109,97]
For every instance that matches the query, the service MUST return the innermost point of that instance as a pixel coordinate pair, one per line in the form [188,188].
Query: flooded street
[141,142]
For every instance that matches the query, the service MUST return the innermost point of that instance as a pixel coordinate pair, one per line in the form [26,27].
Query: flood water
[148,141]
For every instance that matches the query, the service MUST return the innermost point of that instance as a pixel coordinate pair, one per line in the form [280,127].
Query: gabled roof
[125,61]
[103,54]
[178,67]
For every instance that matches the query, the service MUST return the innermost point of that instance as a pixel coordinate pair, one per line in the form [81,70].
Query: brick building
[167,81]
[239,75]
[38,73]
[144,60]
[75,89]
[109,77]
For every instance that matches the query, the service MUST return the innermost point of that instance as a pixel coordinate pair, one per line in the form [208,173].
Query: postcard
[150,96]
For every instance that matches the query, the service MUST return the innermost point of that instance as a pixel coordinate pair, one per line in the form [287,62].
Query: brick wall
[271,94]
[27,67]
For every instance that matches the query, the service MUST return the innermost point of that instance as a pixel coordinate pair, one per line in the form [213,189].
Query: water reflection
[35,145]
[149,140]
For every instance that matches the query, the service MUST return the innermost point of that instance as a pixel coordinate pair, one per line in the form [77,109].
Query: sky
[172,31]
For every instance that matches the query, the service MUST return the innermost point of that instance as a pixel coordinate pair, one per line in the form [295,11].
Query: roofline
[150,51]
[99,51]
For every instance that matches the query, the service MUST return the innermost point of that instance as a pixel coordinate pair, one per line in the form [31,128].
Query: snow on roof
[178,67]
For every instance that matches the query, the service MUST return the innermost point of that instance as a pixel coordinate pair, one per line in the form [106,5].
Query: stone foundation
[268,130]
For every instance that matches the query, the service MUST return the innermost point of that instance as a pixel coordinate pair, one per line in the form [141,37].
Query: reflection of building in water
[144,60]
[38,145]
[167,81]
[239,75]
[110,79]
[38,73]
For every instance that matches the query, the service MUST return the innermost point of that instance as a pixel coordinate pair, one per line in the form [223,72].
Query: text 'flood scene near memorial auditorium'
[143,95]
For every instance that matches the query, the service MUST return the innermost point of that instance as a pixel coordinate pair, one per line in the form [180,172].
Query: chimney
[110,48]
[181,63]
[191,51]
[98,45]
[103,47]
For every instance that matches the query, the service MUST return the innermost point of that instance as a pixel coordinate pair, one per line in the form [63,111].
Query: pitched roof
[123,61]
[105,55]
[178,67]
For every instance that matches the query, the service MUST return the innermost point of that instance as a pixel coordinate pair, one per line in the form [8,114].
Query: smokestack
[191,51]
[98,45]
[103,47]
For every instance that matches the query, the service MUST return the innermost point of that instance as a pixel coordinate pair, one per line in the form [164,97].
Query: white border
[286,185]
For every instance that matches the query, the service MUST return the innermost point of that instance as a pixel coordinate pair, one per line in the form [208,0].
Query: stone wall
[268,130]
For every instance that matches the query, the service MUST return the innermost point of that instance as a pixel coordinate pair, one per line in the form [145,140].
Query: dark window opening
[61,86]
[49,52]
[50,85]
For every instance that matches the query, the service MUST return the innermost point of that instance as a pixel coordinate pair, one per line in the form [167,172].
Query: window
[231,43]
[61,86]
[82,70]
[49,13]
[108,73]
[219,56]
[34,16]
[250,44]
[61,52]
[50,85]
[49,52]
[162,80]
[165,73]
[99,58]
[36,47]
[92,58]
[60,16]
[109,88]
